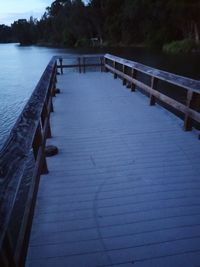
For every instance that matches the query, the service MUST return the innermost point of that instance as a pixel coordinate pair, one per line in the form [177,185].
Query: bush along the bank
[183,46]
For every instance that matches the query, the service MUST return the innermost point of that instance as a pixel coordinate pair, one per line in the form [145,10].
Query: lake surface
[21,68]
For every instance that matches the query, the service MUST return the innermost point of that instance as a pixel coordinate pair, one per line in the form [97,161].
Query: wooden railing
[22,160]
[82,62]
[129,71]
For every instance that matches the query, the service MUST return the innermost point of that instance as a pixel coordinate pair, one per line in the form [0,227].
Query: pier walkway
[124,189]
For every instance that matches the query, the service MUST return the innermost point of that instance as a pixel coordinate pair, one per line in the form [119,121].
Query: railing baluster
[79,64]
[133,75]
[187,119]
[61,65]
[38,143]
[154,82]
[114,66]
[105,62]
[124,71]
[83,64]
[101,62]
[45,120]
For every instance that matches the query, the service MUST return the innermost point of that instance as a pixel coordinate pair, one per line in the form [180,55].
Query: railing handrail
[190,109]
[184,82]
[81,62]
[15,151]
[80,55]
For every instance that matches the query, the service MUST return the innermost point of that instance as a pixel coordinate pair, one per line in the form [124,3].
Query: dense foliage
[6,35]
[112,22]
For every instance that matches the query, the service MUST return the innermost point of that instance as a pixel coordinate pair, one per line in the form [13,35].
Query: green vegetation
[25,31]
[6,35]
[183,46]
[71,23]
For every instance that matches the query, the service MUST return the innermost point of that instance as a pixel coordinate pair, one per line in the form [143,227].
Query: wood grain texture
[14,154]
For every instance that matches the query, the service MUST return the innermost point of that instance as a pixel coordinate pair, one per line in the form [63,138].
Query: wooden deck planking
[125,186]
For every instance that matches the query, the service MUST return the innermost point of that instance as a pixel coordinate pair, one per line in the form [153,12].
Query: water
[21,68]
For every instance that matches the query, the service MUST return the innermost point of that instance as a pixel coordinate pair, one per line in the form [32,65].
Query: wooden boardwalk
[124,189]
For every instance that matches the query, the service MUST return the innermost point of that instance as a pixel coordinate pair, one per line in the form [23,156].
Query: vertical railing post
[52,108]
[83,64]
[45,121]
[154,82]
[128,83]
[133,75]
[105,62]
[101,63]
[37,143]
[52,88]
[187,119]
[54,73]
[61,65]
[114,66]
[124,71]
[79,64]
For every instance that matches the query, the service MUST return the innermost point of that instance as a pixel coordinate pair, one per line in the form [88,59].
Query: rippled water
[21,68]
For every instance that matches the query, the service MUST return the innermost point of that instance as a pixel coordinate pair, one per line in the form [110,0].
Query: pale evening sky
[11,10]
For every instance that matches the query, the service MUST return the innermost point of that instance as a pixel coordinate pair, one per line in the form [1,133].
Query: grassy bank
[182,46]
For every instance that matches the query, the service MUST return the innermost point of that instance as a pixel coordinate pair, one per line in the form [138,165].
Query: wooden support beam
[83,64]
[105,63]
[61,65]
[114,66]
[52,108]
[47,126]
[187,119]
[79,64]
[38,142]
[134,76]
[101,64]
[154,83]
[124,71]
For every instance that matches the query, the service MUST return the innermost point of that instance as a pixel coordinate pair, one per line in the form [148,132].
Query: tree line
[70,23]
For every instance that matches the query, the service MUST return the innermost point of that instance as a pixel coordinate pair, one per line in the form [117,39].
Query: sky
[11,10]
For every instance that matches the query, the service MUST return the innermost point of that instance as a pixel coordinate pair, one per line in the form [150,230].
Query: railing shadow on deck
[22,158]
